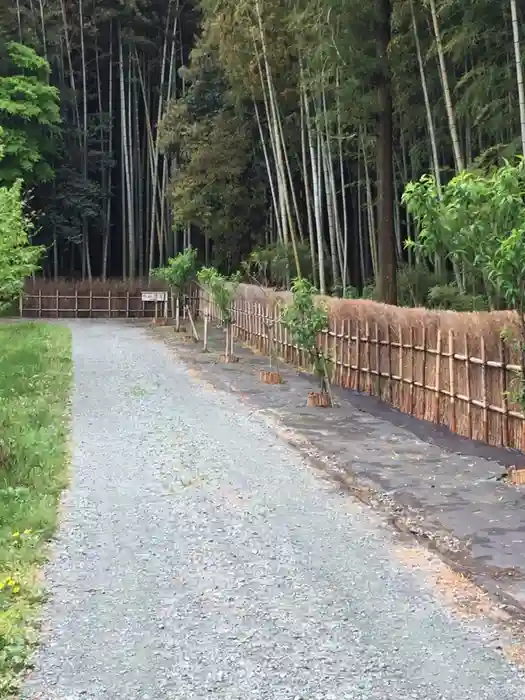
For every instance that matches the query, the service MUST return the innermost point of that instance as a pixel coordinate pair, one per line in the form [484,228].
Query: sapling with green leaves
[305,318]
[177,273]
[222,290]
[18,258]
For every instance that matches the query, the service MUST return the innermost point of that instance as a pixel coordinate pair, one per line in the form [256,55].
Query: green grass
[35,379]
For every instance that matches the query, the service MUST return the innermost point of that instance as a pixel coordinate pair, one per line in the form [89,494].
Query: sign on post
[154,296]
[157,297]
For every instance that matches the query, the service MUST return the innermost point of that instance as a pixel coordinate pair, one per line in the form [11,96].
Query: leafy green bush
[305,319]
[18,259]
[179,269]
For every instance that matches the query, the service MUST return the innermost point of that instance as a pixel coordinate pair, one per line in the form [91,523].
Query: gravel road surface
[199,557]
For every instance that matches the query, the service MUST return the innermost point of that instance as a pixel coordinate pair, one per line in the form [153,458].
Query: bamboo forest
[372,147]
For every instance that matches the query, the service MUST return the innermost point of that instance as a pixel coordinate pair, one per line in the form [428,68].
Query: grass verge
[35,379]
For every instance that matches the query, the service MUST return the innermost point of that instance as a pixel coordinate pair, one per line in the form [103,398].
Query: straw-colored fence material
[439,367]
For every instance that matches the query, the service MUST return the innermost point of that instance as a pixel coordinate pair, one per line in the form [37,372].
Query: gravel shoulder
[201,557]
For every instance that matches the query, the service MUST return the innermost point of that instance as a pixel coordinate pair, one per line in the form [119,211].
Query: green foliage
[274,265]
[18,259]
[305,319]
[35,377]
[448,297]
[179,269]
[221,288]
[29,114]
[477,222]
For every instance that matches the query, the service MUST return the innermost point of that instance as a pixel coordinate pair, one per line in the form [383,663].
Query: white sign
[154,296]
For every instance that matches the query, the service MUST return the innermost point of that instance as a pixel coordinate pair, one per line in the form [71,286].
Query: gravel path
[199,558]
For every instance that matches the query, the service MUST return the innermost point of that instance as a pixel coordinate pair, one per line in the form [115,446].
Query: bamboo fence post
[424,371]
[348,353]
[504,395]
[378,360]
[127,304]
[469,388]
[57,304]
[76,302]
[484,390]
[21,304]
[389,357]
[109,305]
[90,303]
[368,358]
[358,355]
[438,377]
[336,354]
[40,303]
[401,400]
[452,381]
[412,372]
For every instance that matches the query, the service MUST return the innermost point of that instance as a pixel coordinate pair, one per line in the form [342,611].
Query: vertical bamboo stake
[358,356]
[127,304]
[389,353]
[452,381]
[484,390]
[205,343]
[378,360]
[437,415]
[469,394]
[109,305]
[76,302]
[90,303]
[504,395]
[57,309]
[368,358]
[412,372]
[401,400]
[424,372]
[40,303]
[336,360]
[21,304]
[348,353]
[177,314]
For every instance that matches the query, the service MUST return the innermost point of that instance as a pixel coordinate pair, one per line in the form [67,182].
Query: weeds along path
[200,558]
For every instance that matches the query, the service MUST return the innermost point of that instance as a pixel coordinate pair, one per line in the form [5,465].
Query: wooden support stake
[21,304]
[90,303]
[195,334]
[76,302]
[109,304]
[127,304]
[205,343]
[57,309]
[40,303]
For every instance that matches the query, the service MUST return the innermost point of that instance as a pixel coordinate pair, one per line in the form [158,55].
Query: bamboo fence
[428,373]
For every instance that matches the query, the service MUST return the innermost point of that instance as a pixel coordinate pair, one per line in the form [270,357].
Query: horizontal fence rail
[439,380]
[108,304]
